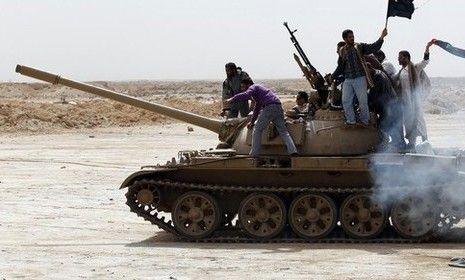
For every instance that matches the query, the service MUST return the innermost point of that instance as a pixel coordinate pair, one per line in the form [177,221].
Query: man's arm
[243,96]
[339,70]
[226,91]
[422,65]
[376,46]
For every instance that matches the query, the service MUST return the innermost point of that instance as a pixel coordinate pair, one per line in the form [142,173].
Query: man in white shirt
[411,90]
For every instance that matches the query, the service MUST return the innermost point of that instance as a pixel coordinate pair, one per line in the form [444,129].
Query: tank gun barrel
[208,123]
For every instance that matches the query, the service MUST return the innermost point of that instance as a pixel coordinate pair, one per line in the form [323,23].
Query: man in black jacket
[231,87]
[383,101]
[351,64]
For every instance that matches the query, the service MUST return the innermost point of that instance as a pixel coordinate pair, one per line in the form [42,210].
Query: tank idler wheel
[262,215]
[362,216]
[312,216]
[415,216]
[146,195]
[196,215]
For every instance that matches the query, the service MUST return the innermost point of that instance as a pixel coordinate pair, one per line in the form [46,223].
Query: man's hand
[384,33]
[429,44]
[250,125]
[328,79]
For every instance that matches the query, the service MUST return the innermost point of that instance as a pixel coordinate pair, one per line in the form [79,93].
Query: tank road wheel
[145,195]
[312,216]
[196,215]
[362,216]
[415,216]
[262,215]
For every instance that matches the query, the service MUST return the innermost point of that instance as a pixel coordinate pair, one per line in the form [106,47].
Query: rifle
[314,77]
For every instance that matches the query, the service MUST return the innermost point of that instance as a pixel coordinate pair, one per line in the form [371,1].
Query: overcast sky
[193,39]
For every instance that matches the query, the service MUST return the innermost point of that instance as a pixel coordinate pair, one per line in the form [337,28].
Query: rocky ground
[44,108]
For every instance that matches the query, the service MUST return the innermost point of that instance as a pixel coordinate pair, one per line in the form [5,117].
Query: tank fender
[143,173]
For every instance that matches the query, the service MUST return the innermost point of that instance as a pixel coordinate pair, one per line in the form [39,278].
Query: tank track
[232,233]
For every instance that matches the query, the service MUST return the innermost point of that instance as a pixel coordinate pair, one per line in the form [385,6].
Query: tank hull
[350,187]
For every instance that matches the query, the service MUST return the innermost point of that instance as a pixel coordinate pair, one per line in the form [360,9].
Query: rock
[190,128]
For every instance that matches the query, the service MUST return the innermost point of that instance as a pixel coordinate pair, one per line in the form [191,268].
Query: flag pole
[387,14]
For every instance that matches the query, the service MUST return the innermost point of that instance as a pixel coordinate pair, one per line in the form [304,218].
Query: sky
[192,40]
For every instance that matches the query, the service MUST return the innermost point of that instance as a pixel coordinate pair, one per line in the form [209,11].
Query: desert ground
[64,154]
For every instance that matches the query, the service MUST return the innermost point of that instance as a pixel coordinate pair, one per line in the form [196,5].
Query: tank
[338,190]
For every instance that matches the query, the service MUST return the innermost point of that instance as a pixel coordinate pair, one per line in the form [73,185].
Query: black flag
[449,48]
[400,8]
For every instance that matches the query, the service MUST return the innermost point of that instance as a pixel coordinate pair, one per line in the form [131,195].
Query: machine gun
[314,77]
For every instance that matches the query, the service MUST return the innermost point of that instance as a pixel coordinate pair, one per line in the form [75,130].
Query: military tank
[338,190]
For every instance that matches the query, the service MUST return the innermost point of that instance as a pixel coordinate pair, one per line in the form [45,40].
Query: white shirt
[412,101]
[403,76]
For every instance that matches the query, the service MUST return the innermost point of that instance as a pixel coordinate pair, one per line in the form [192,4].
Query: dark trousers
[390,120]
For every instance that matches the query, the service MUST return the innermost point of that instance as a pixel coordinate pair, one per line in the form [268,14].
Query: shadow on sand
[455,240]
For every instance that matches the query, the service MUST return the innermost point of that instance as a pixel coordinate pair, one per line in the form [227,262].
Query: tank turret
[325,134]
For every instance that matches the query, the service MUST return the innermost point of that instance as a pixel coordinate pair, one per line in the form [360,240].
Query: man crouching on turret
[267,108]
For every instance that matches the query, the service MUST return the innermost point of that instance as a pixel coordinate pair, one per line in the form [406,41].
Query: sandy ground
[63,217]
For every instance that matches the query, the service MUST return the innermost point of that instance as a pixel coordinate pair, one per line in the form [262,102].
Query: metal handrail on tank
[207,123]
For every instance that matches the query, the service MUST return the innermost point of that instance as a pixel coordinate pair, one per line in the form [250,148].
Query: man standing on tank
[267,109]
[351,64]
[383,101]
[414,87]
[231,87]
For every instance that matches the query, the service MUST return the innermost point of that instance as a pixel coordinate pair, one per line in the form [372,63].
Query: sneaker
[295,155]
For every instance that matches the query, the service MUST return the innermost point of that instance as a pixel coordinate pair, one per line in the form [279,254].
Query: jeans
[239,107]
[355,87]
[275,114]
